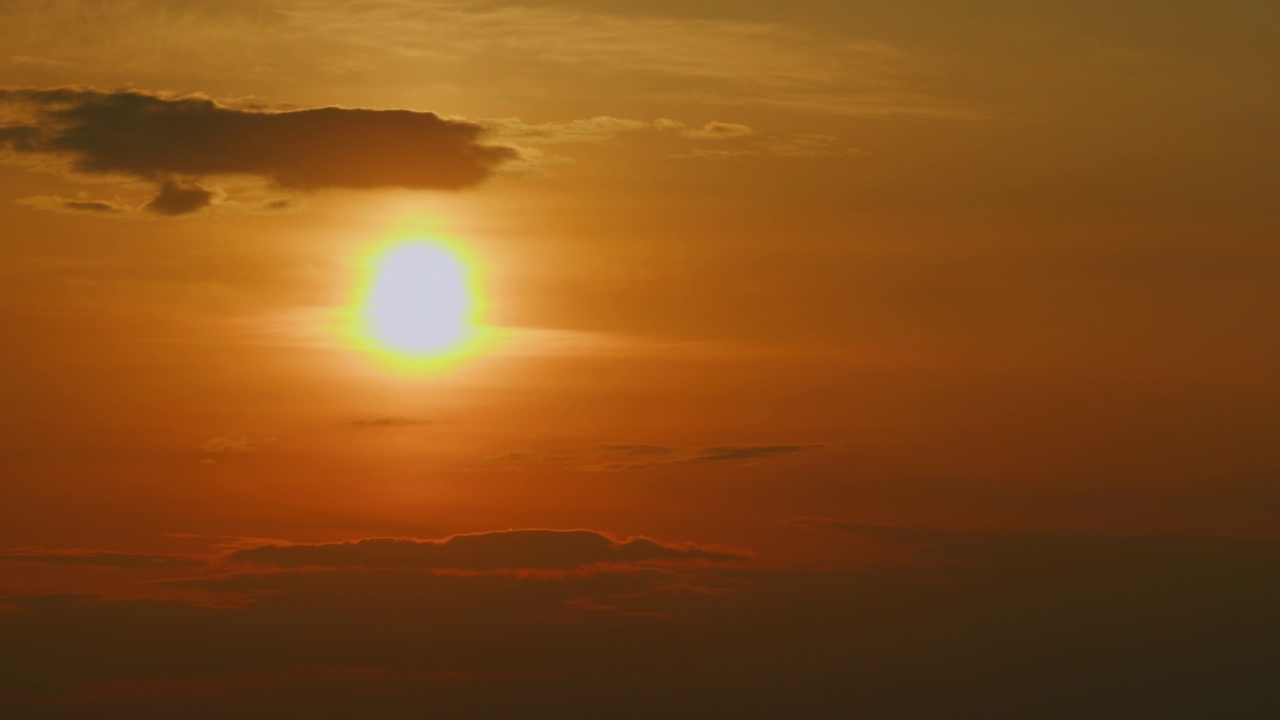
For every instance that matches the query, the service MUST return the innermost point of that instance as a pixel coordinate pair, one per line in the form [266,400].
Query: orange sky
[792,310]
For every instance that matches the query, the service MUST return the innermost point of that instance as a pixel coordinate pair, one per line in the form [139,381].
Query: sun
[417,304]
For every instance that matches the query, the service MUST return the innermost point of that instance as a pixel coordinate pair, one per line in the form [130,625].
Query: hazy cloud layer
[174,140]
[511,549]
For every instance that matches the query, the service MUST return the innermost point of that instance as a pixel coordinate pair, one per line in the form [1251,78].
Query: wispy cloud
[74,205]
[718,61]
[234,445]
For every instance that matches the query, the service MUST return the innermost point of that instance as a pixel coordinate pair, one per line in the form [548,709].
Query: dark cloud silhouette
[510,549]
[145,135]
[175,199]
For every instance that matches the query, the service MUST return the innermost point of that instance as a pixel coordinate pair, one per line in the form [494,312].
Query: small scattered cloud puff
[174,141]
[528,549]
[716,130]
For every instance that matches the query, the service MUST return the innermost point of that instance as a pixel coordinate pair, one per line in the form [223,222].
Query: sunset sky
[829,358]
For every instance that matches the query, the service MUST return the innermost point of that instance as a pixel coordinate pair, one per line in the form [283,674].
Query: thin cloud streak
[614,457]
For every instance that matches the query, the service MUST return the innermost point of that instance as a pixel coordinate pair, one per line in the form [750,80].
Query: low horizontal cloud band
[526,549]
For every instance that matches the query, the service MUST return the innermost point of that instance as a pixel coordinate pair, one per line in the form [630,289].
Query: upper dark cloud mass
[527,549]
[160,138]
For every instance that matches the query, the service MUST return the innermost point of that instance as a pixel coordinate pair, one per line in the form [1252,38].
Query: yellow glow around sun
[417,304]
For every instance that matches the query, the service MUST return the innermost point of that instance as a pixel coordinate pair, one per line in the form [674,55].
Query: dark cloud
[510,549]
[100,558]
[145,135]
[175,199]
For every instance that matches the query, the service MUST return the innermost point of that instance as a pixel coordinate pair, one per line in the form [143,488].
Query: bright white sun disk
[418,302]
